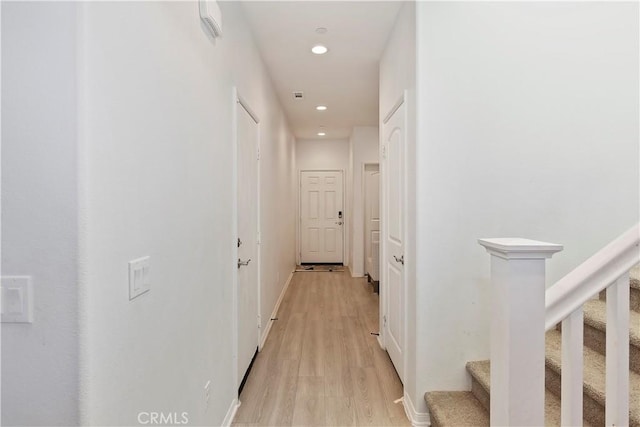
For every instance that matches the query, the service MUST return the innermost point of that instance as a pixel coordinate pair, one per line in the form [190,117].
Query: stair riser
[596,339]
[592,411]
[634,300]
[480,393]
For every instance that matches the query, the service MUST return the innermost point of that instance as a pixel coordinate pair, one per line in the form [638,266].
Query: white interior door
[321,217]
[372,221]
[248,207]
[393,235]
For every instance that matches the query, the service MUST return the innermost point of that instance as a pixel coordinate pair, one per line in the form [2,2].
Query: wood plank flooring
[320,365]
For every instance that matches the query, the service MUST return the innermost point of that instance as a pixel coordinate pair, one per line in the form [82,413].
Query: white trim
[395,107]
[382,281]
[265,335]
[234,226]
[231,413]
[417,419]
[405,219]
[248,109]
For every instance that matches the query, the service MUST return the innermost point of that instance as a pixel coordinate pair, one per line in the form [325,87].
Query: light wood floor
[320,365]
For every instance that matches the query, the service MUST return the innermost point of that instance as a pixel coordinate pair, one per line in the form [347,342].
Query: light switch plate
[139,277]
[17,299]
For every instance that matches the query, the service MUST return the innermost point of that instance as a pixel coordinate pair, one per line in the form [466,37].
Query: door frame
[382,338]
[239,100]
[299,212]
[363,171]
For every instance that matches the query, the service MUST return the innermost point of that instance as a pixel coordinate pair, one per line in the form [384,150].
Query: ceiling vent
[298,95]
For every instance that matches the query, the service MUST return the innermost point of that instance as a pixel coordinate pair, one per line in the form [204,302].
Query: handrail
[592,276]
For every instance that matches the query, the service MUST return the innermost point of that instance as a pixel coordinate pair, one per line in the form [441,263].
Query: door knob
[241,263]
[400,260]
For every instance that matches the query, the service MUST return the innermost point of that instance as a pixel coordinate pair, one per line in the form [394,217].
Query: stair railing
[523,311]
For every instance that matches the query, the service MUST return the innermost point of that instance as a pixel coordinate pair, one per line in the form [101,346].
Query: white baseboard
[231,413]
[263,339]
[417,419]
[355,273]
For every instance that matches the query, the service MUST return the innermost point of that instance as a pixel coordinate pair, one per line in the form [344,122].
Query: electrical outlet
[139,277]
[17,299]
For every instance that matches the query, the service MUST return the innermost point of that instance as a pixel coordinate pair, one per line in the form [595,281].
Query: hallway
[320,364]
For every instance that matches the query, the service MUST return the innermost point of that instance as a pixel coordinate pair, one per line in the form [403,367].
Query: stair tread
[463,409]
[481,371]
[455,408]
[594,374]
[595,315]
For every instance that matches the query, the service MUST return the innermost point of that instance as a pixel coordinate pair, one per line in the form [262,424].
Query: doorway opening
[371,240]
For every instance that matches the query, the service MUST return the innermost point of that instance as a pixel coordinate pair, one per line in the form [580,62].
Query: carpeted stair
[471,408]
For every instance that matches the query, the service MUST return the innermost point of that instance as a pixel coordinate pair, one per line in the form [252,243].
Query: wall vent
[298,95]
[211,16]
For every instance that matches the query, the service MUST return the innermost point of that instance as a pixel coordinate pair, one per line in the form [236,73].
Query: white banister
[572,369]
[592,276]
[517,330]
[522,311]
[617,353]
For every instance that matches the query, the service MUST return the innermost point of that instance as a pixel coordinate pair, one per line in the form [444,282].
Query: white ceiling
[345,79]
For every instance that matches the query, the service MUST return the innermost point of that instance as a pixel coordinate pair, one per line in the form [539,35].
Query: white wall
[322,154]
[39,211]
[158,141]
[365,143]
[397,74]
[328,154]
[117,138]
[278,200]
[528,127]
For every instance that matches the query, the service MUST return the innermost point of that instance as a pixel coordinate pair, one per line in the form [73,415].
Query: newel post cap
[516,248]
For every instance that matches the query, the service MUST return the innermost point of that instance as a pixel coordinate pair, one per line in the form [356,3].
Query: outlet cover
[139,277]
[17,299]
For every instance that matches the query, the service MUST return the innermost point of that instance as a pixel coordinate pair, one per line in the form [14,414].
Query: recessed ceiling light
[321,134]
[321,107]
[321,30]
[319,49]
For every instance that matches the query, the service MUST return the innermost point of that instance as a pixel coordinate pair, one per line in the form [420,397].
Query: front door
[321,217]
[247,268]
[393,235]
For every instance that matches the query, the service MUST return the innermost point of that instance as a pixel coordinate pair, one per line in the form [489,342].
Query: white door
[321,217]
[372,221]
[393,236]
[247,269]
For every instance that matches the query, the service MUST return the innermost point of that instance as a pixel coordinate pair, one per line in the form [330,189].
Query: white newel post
[518,330]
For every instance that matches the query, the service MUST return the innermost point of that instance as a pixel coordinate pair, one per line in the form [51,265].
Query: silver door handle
[339,222]
[400,260]
[241,263]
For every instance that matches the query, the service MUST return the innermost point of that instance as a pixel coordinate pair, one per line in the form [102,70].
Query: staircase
[471,408]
